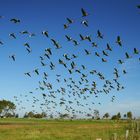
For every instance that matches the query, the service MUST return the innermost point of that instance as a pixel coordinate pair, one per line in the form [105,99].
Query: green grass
[34,129]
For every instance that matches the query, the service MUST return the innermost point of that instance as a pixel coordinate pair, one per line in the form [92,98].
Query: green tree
[96,114]
[129,115]
[106,115]
[7,108]
[114,117]
[30,114]
[63,116]
[119,115]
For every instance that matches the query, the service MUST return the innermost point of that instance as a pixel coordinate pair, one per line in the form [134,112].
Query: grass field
[32,129]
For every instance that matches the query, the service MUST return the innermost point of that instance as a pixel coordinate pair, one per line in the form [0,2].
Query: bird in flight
[84,13]
[13,57]
[14,20]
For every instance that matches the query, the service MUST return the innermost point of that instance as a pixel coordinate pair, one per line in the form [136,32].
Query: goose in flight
[66,26]
[36,71]
[28,74]
[1,43]
[138,6]
[84,13]
[12,35]
[70,21]
[127,55]
[99,34]
[13,57]
[85,22]
[136,51]
[108,47]
[14,20]
[68,37]
[119,42]
[45,33]
[120,61]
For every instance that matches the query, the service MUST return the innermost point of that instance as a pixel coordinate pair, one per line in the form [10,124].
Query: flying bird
[127,55]
[138,6]
[99,34]
[13,57]
[12,35]
[68,37]
[85,22]
[84,13]
[70,21]
[119,42]
[45,33]
[136,51]
[66,26]
[14,20]
[28,74]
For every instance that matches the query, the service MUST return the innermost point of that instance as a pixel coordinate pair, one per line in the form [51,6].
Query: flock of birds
[76,92]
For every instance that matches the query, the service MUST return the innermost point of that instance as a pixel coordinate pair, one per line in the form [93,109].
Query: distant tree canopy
[96,114]
[33,115]
[106,115]
[7,108]
[129,115]
[63,116]
[116,117]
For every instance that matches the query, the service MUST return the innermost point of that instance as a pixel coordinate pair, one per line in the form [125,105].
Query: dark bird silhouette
[88,38]
[12,35]
[68,37]
[28,74]
[108,47]
[138,6]
[124,72]
[66,26]
[70,21]
[85,22]
[84,13]
[136,51]
[82,38]
[97,54]
[1,43]
[27,45]
[94,44]
[104,53]
[1,17]
[120,61]
[45,33]
[24,32]
[99,34]
[43,64]
[104,60]
[87,52]
[13,57]
[119,42]
[75,43]
[127,55]
[48,50]
[36,71]
[14,20]
[28,50]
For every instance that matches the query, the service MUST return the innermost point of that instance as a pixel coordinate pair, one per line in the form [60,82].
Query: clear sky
[111,17]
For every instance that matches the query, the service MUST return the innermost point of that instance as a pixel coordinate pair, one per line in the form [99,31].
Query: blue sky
[111,17]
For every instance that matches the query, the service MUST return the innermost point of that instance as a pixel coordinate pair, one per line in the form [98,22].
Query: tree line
[7,110]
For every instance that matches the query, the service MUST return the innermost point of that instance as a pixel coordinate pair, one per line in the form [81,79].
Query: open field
[32,129]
